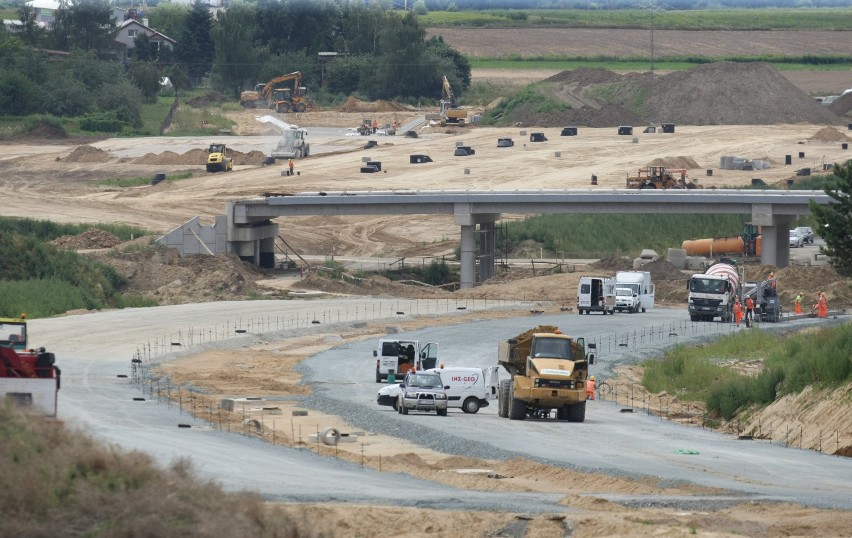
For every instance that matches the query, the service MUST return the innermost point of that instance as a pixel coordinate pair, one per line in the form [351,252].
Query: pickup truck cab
[626,300]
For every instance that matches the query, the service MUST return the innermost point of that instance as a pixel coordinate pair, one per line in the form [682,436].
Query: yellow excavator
[281,98]
[660,177]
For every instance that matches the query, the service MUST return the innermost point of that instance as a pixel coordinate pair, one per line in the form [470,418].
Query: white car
[796,239]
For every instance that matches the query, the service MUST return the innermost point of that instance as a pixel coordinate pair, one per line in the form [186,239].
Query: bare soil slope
[723,93]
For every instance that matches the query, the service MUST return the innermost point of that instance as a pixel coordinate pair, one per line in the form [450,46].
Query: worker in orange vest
[799,298]
[738,311]
[821,306]
[590,388]
[375,126]
[749,315]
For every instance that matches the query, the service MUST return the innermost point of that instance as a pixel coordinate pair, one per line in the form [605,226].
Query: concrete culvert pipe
[330,436]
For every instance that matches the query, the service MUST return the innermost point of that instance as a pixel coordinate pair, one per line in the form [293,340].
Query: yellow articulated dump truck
[549,371]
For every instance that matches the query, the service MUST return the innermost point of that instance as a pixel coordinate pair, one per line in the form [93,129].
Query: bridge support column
[774,243]
[468,221]
[467,271]
[253,242]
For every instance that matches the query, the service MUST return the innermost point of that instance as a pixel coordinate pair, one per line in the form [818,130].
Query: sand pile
[829,134]
[199,157]
[675,162]
[356,105]
[87,154]
[722,93]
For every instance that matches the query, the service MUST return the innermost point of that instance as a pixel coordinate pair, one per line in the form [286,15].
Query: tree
[835,220]
[92,27]
[400,70]
[195,48]
[168,18]
[144,50]
[31,33]
[19,95]
[146,76]
[66,97]
[234,63]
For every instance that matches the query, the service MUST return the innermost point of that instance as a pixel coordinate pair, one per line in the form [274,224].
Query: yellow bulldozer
[660,177]
[218,160]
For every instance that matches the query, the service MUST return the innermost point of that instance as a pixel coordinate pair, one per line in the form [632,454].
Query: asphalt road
[93,349]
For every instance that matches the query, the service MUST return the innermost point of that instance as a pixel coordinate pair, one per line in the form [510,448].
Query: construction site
[581,148]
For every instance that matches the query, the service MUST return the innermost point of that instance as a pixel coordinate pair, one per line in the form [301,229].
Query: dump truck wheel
[577,412]
[517,408]
[562,413]
[503,399]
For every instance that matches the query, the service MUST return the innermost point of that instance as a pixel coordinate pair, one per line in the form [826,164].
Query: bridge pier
[469,221]
[775,228]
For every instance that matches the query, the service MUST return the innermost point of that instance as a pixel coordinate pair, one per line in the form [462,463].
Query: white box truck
[640,296]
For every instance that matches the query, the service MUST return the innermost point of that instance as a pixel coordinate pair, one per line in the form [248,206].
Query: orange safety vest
[590,389]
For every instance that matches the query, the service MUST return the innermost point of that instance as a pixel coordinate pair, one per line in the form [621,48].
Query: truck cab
[626,300]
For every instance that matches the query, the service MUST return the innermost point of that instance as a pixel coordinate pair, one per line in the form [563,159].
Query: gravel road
[93,349]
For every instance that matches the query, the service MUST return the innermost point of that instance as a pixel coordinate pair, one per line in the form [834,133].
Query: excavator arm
[295,76]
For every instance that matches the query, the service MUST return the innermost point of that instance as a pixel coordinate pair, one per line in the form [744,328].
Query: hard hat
[592,378]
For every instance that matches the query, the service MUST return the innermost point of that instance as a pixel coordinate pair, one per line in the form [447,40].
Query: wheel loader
[218,160]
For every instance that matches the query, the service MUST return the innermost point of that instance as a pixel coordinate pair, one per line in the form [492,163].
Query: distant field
[717,19]
[480,43]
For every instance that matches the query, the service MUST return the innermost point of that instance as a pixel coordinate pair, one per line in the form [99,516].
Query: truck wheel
[403,409]
[643,310]
[378,377]
[442,412]
[396,406]
[576,412]
[517,408]
[562,413]
[471,405]
[503,399]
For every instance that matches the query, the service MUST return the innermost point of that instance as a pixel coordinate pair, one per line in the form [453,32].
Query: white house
[131,28]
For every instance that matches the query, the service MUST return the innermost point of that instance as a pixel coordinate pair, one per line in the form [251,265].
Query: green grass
[790,363]
[138,181]
[716,19]
[153,115]
[42,280]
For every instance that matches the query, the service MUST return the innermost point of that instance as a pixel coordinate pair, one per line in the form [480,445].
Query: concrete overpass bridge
[247,228]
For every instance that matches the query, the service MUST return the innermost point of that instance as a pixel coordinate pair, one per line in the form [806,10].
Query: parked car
[807,234]
[796,239]
[422,392]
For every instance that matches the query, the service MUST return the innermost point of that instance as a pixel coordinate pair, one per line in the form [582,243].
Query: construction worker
[821,306]
[738,311]
[799,298]
[292,164]
[590,388]
[771,280]
[375,126]
[749,315]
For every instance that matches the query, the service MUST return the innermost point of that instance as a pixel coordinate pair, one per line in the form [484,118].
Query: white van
[467,389]
[596,294]
[396,357]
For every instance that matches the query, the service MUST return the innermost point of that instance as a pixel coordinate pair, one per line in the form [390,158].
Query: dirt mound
[161,274]
[722,93]
[675,162]
[661,269]
[585,76]
[842,105]
[209,99]
[46,130]
[354,104]
[87,154]
[829,134]
[89,239]
[199,157]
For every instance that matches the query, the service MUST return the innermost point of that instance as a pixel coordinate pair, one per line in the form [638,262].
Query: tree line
[381,53]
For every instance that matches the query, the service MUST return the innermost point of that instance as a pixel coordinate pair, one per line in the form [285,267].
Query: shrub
[102,121]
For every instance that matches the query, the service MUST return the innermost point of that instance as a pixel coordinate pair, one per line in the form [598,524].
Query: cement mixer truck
[712,293]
